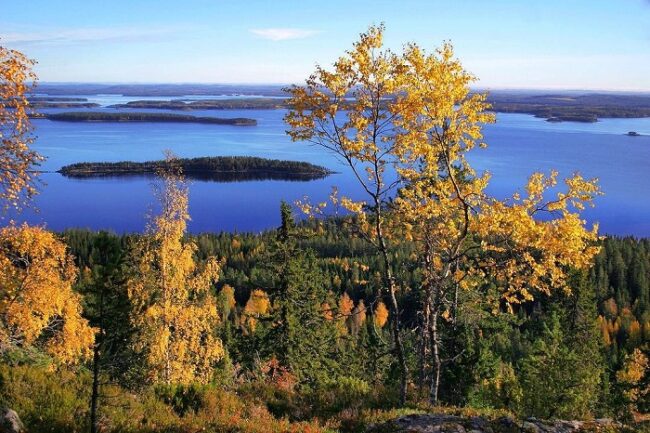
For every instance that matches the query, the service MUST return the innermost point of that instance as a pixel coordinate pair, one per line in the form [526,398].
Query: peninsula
[572,106]
[214,168]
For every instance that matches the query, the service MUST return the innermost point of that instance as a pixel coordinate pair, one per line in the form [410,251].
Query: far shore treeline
[103,116]
[578,108]
[562,106]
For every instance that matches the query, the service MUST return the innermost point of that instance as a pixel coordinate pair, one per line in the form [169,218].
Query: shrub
[45,399]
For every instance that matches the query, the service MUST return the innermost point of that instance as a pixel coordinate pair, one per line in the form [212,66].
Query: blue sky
[575,44]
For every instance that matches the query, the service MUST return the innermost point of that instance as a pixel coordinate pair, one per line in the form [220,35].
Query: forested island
[41,105]
[34,99]
[60,102]
[215,168]
[36,102]
[97,116]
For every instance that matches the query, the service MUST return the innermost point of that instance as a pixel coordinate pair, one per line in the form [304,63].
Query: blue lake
[518,145]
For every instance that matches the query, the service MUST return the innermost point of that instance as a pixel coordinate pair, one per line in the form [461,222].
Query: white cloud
[283,34]
[84,34]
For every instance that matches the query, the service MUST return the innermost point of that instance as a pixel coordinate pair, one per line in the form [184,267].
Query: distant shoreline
[121,117]
[544,108]
[554,106]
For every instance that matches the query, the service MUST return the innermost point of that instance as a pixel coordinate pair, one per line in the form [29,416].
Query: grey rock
[435,423]
[10,421]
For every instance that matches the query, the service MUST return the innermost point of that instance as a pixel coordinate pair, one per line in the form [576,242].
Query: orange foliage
[346,304]
[634,332]
[327,311]
[278,375]
[381,315]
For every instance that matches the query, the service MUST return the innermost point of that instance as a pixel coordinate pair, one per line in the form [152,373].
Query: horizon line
[279,84]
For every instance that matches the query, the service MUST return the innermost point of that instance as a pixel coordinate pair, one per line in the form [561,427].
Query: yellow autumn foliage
[635,368]
[17,161]
[444,206]
[37,303]
[228,302]
[404,124]
[429,121]
[175,309]
[258,305]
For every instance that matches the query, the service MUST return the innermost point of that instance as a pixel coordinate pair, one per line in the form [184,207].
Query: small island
[213,168]
[102,116]
[33,99]
[583,118]
[39,102]
[75,105]
[633,134]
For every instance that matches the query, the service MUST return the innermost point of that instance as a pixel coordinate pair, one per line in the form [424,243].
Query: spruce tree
[301,338]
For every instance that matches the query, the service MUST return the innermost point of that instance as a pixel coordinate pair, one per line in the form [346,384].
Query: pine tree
[563,374]
[107,308]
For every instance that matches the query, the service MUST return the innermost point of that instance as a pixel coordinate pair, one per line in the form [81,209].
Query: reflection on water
[518,145]
[210,176]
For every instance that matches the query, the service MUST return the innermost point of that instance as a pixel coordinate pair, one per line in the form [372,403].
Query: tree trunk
[399,346]
[424,337]
[168,368]
[94,397]
[392,289]
[99,342]
[437,364]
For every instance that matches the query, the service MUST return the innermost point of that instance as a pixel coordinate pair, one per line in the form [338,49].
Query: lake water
[518,145]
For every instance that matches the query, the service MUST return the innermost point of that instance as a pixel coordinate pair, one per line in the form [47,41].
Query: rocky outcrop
[432,423]
[10,421]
